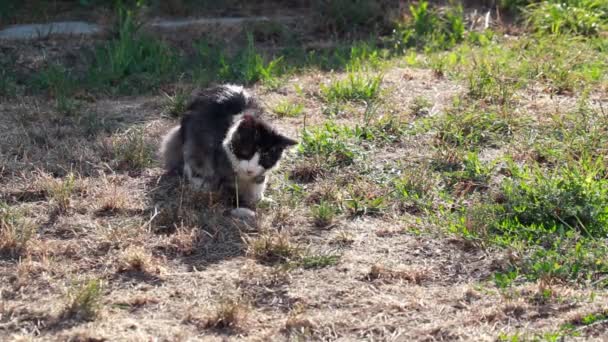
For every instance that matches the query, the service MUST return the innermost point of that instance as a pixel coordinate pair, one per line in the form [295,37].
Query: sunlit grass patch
[355,86]
[16,231]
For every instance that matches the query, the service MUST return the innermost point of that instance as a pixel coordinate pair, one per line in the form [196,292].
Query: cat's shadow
[196,226]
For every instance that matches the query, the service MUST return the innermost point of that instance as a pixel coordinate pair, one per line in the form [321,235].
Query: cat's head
[254,147]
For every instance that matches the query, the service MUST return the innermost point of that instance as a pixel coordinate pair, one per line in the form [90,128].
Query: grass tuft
[132,151]
[579,17]
[15,231]
[271,248]
[355,87]
[229,314]
[136,259]
[60,191]
[288,109]
[323,214]
[131,61]
[318,261]
[84,302]
[430,29]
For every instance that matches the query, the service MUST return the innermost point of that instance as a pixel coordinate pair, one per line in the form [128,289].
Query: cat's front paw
[243,213]
[196,183]
[205,184]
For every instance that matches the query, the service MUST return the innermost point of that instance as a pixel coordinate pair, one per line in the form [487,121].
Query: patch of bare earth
[171,265]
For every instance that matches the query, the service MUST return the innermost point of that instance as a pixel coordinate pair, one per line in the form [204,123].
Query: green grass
[473,126]
[132,61]
[581,17]
[430,29]
[331,142]
[248,66]
[318,261]
[494,71]
[323,214]
[355,87]
[569,198]
[288,109]
[271,248]
[420,106]
[556,218]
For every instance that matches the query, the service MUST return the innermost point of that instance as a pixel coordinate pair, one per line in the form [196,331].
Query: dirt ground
[170,265]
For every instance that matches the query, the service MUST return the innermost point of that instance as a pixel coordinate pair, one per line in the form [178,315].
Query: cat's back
[212,110]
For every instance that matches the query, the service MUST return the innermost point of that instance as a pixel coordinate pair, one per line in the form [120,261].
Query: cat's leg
[243,213]
[252,190]
[195,181]
[199,170]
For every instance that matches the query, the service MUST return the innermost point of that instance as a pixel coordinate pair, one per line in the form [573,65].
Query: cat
[223,144]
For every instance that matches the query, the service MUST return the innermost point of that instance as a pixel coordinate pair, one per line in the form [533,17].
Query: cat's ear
[286,142]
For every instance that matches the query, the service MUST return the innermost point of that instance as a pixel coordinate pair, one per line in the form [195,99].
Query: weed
[330,142]
[473,175]
[60,84]
[228,314]
[289,109]
[271,248]
[565,199]
[356,86]
[495,71]
[132,61]
[484,84]
[15,231]
[584,17]
[578,133]
[84,302]
[92,123]
[136,259]
[420,106]
[342,238]
[56,80]
[248,66]
[209,59]
[504,280]
[323,214]
[318,261]
[414,189]
[8,86]
[365,198]
[60,191]
[591,318]
[430,29]
[132,151]
[175,105]
[473,126]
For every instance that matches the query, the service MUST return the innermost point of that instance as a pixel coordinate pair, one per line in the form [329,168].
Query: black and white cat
[223,145]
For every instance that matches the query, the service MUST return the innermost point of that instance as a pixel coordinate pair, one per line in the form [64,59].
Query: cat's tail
[171,150]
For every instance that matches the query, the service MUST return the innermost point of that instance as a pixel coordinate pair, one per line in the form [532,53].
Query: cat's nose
[249,173]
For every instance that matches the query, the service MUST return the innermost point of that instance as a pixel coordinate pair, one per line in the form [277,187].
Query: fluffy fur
[222,144]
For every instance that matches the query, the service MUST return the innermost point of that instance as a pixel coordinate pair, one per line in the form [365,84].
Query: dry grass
[84,302]
[349,252]
[229,315]
[381,272]
[137,259]
[271,248]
